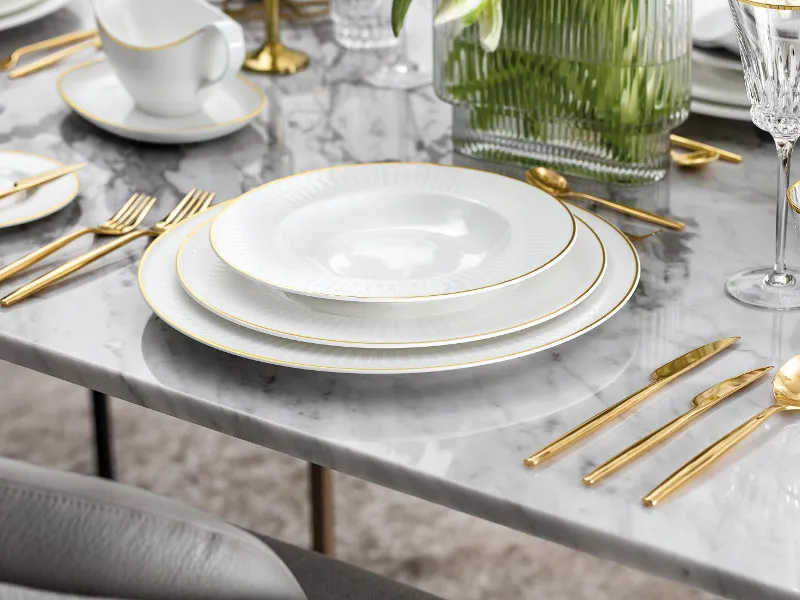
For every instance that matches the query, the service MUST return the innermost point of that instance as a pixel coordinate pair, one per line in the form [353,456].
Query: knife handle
[53,58]
[631,212]
[644,445]
[592,424]
[707,457]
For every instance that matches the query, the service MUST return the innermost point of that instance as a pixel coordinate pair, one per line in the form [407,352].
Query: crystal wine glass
[769,41]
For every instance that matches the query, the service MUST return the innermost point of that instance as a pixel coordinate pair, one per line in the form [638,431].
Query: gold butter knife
[27,183]
[725,155]
[660,377]
[702,402]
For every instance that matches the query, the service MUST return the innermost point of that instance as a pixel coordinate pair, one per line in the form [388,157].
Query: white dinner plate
[93,91]
[40,201]
[719,79]
[722,111]
[162,290]
[393,232]
[31,13]
[232,296]
[8,7]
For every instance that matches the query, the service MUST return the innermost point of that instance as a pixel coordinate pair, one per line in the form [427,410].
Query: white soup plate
[8,7]
[230,295]
[37,202]
[162,290]
[393,232]
[93,91]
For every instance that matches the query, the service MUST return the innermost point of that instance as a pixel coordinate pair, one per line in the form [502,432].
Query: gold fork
[10,62]
[126,219]
[196,201]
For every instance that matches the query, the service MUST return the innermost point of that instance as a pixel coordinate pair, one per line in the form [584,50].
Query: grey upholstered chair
[68,537]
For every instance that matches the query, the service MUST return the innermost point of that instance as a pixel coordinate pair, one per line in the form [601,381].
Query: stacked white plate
[14,13]
[389,268]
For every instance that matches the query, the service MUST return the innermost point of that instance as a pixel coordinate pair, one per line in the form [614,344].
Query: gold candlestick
[273,57]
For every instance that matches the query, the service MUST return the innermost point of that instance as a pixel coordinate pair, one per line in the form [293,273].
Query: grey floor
[46,421]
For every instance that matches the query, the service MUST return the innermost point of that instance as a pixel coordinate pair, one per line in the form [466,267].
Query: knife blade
[659,378]
[35,180]
[702,402]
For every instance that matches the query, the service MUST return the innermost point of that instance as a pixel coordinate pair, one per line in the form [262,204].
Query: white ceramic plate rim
[32,13]
[313,349]
[58,204]
[18,7]
[234,262]
[228,313]
[74,105]
[721,111]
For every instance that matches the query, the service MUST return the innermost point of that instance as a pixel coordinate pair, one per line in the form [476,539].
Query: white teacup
[169,54]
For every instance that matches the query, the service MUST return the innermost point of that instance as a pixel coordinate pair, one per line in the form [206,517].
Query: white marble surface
[458,438]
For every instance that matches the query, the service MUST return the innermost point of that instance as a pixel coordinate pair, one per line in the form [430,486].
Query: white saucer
[161,288]
[31,13]
[718,79]
[721,111]
[93,91]
[40,201]
[237,298]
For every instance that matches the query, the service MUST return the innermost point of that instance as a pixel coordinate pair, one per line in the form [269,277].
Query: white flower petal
[490,25]
[454,10]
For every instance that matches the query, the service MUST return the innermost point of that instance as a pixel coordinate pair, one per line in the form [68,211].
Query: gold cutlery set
[123,224]
[75,42]
[786,390]
[33,181]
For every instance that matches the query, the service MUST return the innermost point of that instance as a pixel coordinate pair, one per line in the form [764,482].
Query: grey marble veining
[455,438]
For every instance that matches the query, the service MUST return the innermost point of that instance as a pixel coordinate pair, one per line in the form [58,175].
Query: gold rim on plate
[772,5]
[274,361]
[469,292]
[92,117]
[396,345]
[70,197]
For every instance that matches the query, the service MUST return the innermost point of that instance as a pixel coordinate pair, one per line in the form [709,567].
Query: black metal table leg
[102,436]
[321,491]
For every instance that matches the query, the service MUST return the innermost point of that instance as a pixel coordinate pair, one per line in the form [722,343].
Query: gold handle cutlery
[55,57]
[11,61]
[556,185]
[708,149]
[660,377]
[194,202]
[125,220]
[701,403]
[37,180]
[786,392]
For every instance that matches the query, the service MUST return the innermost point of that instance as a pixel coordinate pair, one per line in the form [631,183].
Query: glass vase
[587,87]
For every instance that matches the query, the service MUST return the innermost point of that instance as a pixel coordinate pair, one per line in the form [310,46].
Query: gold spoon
[693,160]
[556,185]
[786,391]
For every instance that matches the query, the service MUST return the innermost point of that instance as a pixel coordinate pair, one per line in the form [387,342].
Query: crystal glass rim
[771,5]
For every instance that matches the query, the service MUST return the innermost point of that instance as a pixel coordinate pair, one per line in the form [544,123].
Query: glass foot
[758,287]
[399,76]
[276,59]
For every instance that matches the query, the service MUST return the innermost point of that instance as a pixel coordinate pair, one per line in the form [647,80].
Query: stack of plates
[718,85]
[389,268]
[14,13]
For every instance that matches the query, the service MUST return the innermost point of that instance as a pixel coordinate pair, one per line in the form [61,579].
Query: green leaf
[399,10]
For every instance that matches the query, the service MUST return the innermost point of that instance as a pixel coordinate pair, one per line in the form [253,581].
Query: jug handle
[233,38]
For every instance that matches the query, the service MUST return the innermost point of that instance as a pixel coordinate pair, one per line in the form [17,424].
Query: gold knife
[702,402]
[659,378]
[27,183]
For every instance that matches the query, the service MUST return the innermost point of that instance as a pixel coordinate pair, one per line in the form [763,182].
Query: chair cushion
[324,578]
[81,535]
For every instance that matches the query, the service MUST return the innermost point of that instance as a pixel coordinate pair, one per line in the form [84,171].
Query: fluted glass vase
[587,87]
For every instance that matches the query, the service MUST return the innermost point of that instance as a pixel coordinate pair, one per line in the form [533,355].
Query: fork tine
[132,211]
[198,207]
[188,207]
[207,202]
[178,207]
[143,209]
[118,216]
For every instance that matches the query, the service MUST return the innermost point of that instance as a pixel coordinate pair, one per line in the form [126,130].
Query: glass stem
[779,276]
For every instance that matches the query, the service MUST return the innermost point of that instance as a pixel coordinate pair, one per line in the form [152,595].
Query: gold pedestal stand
[273,57]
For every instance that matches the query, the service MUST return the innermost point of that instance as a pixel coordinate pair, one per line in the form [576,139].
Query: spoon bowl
[786,385]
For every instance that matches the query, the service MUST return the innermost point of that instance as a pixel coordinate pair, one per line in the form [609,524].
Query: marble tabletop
[456,438]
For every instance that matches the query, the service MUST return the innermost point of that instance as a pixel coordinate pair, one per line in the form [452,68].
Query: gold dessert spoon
[557,185]
[785,390]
